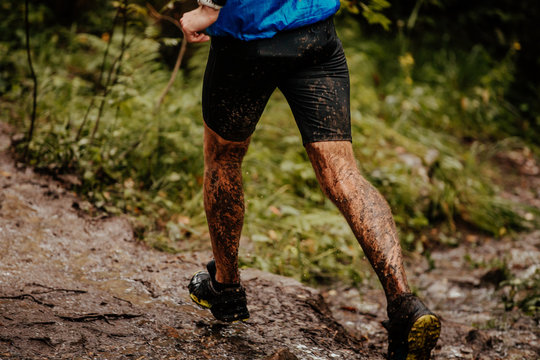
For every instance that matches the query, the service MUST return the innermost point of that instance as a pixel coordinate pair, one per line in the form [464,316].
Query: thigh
[318,93]
[236,89]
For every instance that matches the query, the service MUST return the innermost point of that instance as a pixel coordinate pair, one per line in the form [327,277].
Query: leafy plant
[371,10]
[523,293]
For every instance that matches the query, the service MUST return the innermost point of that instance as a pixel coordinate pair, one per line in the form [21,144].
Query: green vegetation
[523,293]
[426,123]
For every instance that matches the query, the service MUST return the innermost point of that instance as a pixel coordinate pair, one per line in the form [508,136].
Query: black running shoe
[413,330]
[226,302]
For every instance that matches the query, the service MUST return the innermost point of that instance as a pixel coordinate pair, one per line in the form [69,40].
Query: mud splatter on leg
[366,211]
[224,201]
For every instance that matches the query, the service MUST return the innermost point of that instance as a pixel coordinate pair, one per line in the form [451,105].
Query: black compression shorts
[308,66]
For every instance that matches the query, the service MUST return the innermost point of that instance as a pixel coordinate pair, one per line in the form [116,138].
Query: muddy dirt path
[76,287]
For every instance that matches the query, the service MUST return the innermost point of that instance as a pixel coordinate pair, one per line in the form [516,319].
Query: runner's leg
[236,88]
[365,210]
[318,93]
[224,201]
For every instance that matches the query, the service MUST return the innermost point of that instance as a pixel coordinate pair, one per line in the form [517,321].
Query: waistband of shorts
[326,24]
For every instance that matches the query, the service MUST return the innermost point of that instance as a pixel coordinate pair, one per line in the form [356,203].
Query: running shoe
[413,330]
[227,302]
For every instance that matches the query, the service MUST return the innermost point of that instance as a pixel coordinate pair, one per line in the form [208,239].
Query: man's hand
[195,21]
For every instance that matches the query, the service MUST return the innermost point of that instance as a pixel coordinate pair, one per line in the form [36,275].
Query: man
[258,46]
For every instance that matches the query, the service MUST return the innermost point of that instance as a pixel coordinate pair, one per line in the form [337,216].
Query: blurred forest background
[440,89]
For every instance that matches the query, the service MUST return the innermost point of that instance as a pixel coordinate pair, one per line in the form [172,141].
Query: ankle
[218,279]
[227,280]
[395,299]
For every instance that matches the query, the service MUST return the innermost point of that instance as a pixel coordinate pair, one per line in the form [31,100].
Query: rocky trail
[79,287]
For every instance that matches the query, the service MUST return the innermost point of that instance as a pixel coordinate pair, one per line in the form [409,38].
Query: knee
[220,152]
[225,158]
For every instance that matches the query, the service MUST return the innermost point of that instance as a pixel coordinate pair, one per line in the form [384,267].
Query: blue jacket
[260,19]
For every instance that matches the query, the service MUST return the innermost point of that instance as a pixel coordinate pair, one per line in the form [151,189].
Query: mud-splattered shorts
[308,66]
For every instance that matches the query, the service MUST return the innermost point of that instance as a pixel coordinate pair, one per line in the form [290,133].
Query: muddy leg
[224,201]
[365,209]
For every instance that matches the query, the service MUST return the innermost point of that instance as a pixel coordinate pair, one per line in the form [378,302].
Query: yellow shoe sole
[201,302]
[423,337]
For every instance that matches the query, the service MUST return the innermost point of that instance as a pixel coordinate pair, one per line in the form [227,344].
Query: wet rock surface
[76,287]
[475,323]
[72,286]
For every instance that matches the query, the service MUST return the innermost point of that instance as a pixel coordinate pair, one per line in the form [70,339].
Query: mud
[77,287]
[475,323]
[364,208]
[224,201]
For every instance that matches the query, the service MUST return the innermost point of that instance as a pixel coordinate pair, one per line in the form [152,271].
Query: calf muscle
[364,208]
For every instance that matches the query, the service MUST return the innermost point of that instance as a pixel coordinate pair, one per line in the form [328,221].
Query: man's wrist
[213,4]
[209,12]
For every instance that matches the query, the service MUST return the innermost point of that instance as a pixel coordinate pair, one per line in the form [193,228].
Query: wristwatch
[214,4]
